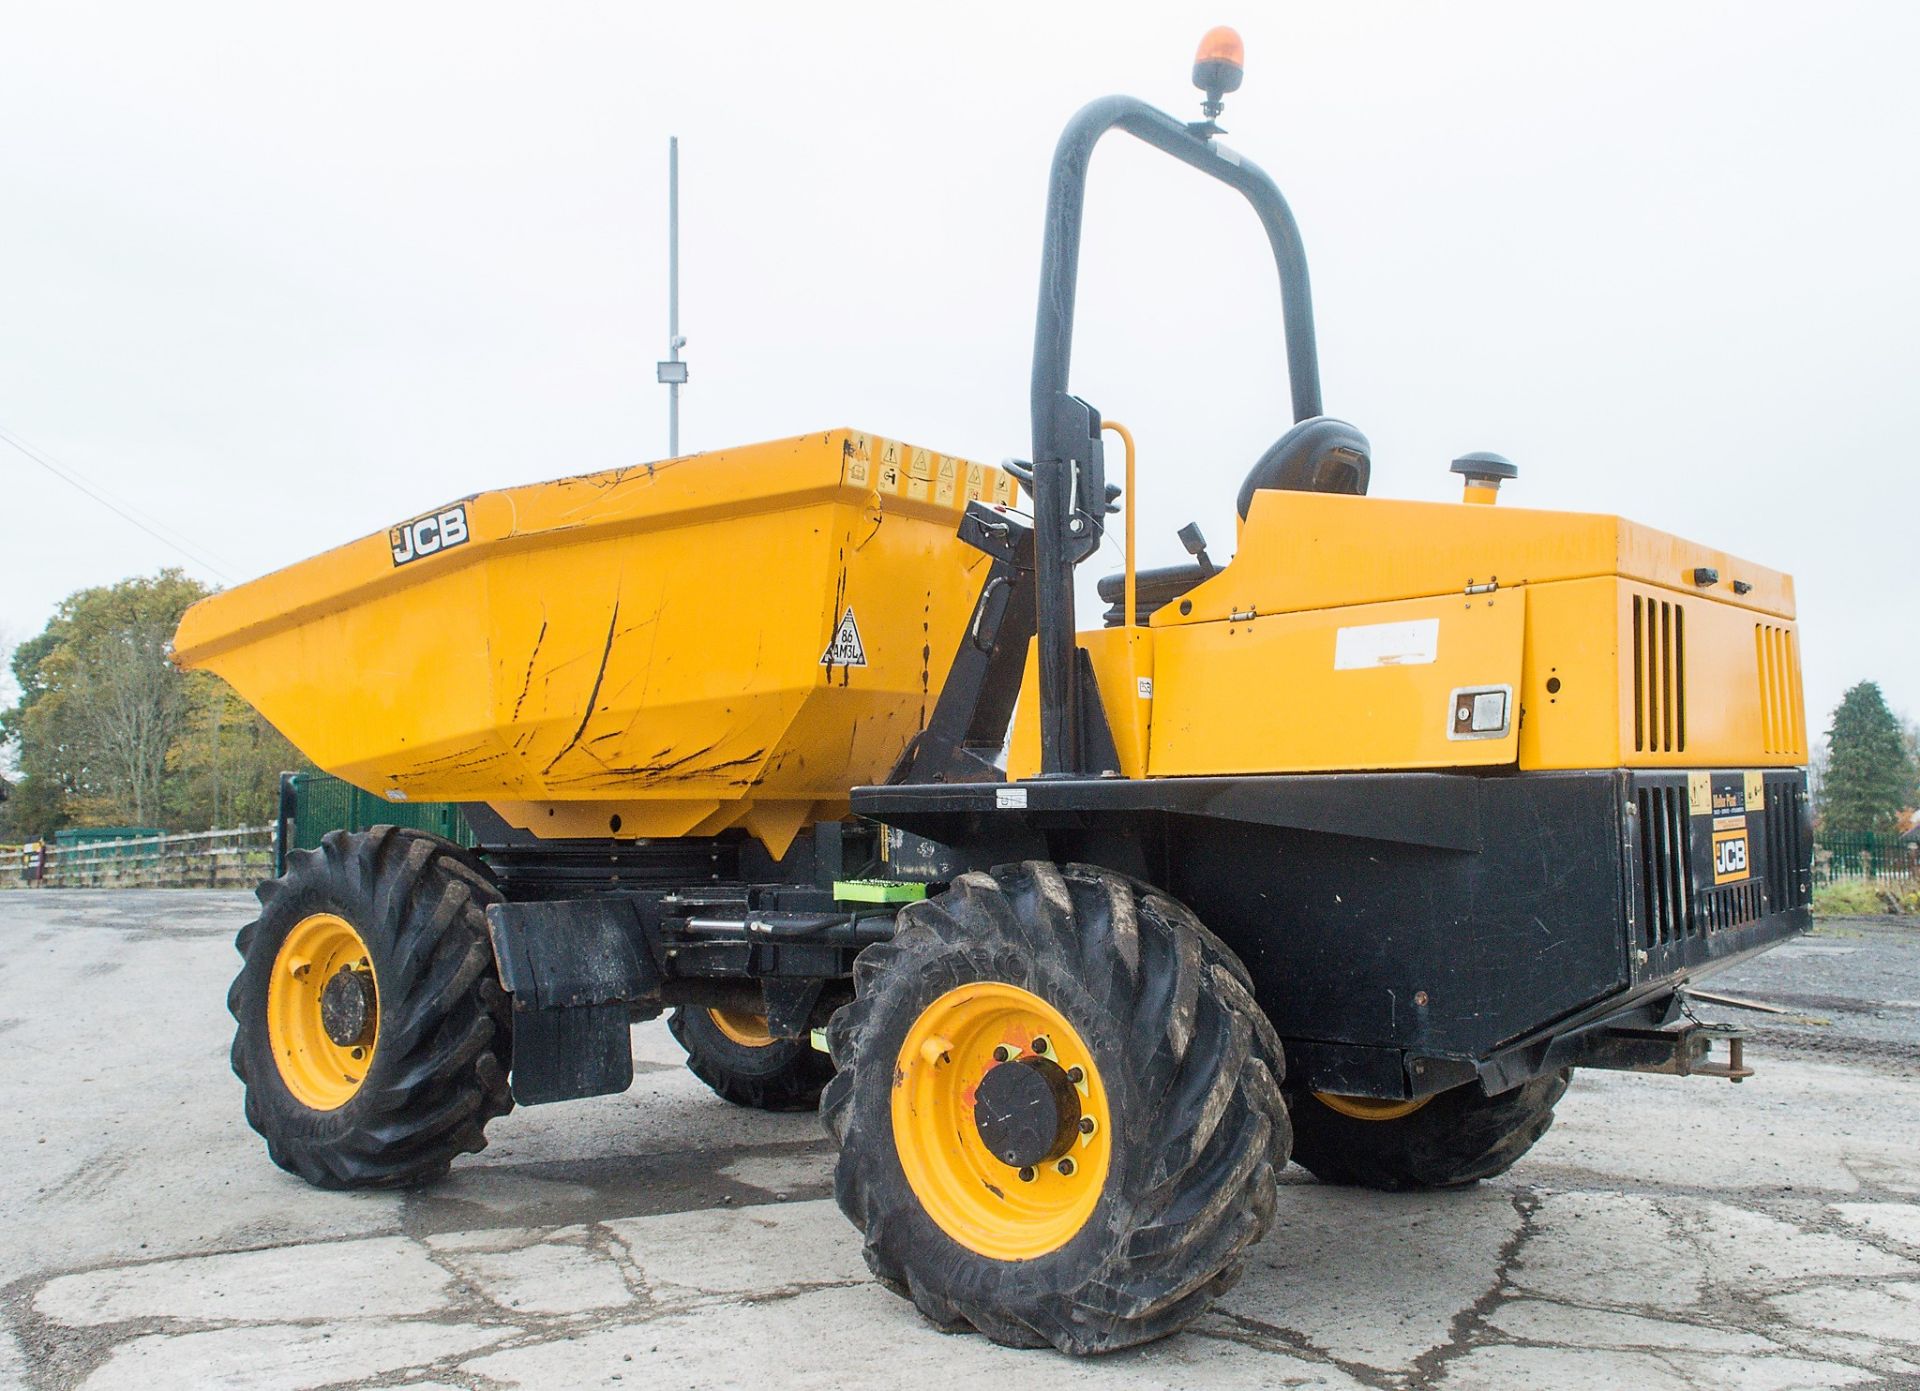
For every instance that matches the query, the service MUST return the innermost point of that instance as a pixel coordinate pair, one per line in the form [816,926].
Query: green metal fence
[101,840]
[311,804]
[1863,856]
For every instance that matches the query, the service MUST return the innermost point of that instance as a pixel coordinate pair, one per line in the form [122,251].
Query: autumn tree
[107,730]
[100,704]
[38,804]
[224,769]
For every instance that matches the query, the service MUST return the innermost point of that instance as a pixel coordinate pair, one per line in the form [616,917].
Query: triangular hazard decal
[845,650]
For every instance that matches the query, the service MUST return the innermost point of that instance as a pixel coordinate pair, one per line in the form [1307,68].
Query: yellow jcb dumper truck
[1347,850]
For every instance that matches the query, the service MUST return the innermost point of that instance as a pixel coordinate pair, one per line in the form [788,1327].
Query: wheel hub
[323,1011]
[1001,1122]
[747,1030]
[1027,1112]
[346,1006]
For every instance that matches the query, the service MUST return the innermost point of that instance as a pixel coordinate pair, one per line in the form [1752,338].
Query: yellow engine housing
[1340,635]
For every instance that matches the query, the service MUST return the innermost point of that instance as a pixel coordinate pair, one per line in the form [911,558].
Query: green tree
[1870,773]
[33,808]
[37,805]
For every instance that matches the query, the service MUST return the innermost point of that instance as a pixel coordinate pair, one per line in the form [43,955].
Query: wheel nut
[1076,1075]
[1065,1167]
[1026,1176]
[1086,1125]
[1003,1054]
[1040,1045]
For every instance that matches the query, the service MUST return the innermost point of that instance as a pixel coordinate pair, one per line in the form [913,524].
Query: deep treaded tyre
[734,1054]
[374,1037]
[1456,1138]
[1058,1109]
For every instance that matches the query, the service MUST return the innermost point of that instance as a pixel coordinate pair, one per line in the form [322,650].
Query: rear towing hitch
[1686,1051]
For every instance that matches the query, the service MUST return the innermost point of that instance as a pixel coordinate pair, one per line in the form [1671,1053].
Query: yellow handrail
[1126,437]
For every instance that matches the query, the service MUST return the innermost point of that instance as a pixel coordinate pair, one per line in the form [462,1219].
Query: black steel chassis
[1406,932]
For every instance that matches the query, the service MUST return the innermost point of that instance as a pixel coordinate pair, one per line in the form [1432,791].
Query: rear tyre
[373,1035]
[1447,1141]
[1058,1110]
[735,1055]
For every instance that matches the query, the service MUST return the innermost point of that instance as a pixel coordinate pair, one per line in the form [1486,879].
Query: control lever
[1196,545]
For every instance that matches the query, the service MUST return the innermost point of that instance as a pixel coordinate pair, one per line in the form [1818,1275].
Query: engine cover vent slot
[1659,675]
[1782,719]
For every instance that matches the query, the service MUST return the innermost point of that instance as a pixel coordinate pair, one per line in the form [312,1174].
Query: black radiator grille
[1789,883]
[1729,906]
[1666,865]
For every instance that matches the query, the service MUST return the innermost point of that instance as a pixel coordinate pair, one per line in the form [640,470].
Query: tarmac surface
[1666,1233]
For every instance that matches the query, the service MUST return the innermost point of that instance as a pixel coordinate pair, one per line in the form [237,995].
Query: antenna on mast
[673,372]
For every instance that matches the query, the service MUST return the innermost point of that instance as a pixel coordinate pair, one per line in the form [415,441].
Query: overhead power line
[126,511]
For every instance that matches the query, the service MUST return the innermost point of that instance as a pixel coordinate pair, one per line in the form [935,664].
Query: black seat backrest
[1320,455]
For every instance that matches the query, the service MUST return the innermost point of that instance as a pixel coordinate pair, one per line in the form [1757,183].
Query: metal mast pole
[673,371]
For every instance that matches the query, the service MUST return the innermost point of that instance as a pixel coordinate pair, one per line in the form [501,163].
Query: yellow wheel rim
[747,1030]
[1370,1108]
[980,1201]
[321,1072]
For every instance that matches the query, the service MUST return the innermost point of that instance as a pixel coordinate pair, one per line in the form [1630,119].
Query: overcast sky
[276,276]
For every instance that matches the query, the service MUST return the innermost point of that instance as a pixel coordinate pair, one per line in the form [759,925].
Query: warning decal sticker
[845,650]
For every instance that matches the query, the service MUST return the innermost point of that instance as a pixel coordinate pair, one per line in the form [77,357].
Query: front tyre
[1058,1109]
[373,1036]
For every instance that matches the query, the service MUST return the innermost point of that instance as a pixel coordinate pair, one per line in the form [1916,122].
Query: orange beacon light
[1218,66]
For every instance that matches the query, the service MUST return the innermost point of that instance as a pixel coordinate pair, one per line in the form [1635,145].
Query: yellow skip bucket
[733,638]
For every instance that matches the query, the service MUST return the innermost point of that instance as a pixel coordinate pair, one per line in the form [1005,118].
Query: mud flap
[579,974]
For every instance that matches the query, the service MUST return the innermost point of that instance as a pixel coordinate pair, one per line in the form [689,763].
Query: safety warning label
[845,650]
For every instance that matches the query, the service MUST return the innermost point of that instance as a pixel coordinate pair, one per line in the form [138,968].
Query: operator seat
[1319,455]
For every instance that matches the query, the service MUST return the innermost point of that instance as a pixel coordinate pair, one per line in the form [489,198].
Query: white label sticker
[1387,645]
[1010,798]
[846,649]
[1145,684]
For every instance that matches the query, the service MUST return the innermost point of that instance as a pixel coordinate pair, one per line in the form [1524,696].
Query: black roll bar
[1069,474]
[1060,255]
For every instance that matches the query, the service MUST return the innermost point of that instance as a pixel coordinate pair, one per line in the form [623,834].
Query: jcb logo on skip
[424,536]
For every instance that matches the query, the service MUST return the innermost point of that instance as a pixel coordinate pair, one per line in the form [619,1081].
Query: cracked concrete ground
[1665,1234]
